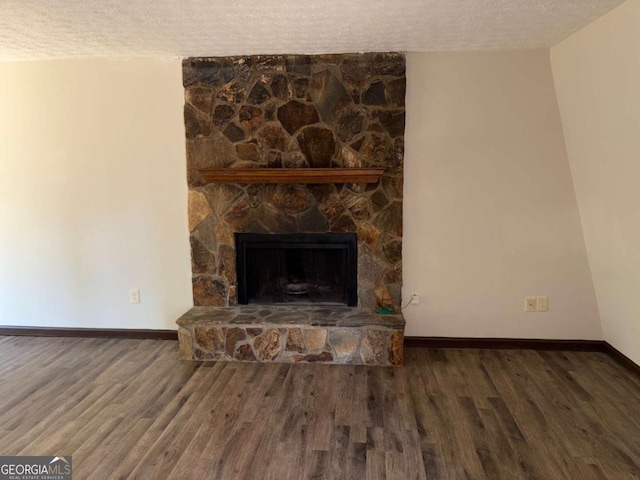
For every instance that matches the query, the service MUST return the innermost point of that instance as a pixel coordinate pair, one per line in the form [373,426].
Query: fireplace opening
[297,268]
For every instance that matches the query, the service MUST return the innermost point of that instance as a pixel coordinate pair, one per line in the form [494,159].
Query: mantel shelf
[292,175]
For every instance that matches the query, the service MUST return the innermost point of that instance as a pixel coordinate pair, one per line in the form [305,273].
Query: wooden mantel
[292,175]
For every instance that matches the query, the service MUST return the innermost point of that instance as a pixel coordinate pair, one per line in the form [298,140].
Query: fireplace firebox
[297,268]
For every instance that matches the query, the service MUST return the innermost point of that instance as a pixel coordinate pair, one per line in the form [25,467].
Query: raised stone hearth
[291,334]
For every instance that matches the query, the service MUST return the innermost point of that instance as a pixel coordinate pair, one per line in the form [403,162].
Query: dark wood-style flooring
[131,409]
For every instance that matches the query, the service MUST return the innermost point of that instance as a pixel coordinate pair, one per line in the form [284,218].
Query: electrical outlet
[134,295]
[542,303]
[529,304]
[415,300]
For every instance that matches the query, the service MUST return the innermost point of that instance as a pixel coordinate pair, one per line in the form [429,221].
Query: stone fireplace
[295,112]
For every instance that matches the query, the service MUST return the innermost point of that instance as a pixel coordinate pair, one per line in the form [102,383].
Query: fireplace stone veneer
[295,111]
[286,334]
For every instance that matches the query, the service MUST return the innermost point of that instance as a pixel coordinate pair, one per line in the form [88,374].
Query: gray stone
[344,341]
[234,133]
[370,267]
[259,94]
[301,87]
[392,121]
[215,151]
[313,221]
[390,219]
[242,68]
[374,347]
[396,90]
[276,221]
[374,95]
[393,250]
[281,88]
[350,123]
[205,233]
[298,64]
[227,267]
[201,257]
[318,145]
[329,94]
[195,124]
[222,114]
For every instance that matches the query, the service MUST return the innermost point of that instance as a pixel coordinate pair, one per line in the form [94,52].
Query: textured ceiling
[32,29]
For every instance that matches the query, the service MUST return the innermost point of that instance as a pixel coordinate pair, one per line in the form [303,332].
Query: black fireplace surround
[297,268]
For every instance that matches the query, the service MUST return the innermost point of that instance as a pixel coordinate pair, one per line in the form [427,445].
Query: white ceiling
[31,29]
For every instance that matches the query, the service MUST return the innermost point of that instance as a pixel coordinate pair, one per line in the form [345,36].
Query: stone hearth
[289,334]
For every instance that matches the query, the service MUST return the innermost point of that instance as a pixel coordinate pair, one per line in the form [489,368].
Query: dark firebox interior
[296,269]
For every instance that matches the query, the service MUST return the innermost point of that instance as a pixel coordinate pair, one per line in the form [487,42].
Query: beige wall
[93,197]
[597,76]
[490,212]
[92,194]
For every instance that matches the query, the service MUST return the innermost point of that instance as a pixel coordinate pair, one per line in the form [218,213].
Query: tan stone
[200,97]
[268,346]
[234,335]
[185,344]
[210,339]
[396,348]
[368,234]
[294,340]
[199,209]
[224,236]
[383,298]
[209,292]
[350,158]
[316,339]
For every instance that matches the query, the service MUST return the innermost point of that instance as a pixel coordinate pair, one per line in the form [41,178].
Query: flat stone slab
[292,334]
[290,315]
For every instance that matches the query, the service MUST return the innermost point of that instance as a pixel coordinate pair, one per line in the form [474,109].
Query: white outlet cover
[530,304]
[542,303]
[134,295]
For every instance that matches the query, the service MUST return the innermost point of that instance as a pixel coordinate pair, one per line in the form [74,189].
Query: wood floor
[131,409]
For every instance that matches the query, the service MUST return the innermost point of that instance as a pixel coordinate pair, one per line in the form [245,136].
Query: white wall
[597,76]
[490,213]
[92,194]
